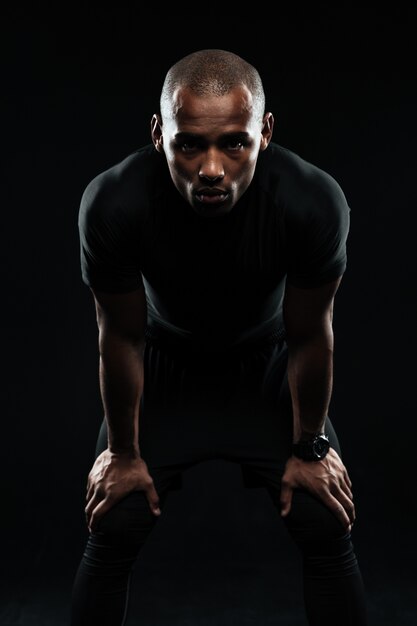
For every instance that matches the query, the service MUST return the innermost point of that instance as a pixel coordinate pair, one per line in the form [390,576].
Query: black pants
[237,407]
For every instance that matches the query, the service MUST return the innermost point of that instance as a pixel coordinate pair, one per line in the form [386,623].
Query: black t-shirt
[219,280]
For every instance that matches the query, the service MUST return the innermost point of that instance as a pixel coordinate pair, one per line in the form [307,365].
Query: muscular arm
[308,317]
[119,470]
[121,322]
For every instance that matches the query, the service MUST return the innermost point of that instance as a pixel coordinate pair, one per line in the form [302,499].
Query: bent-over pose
[214,255]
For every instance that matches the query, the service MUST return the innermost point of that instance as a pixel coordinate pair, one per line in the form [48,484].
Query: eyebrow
[197,136]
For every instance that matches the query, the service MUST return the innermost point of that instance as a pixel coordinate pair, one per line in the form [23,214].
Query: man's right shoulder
[128,182]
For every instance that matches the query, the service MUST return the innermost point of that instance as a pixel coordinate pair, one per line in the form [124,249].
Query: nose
[211,168]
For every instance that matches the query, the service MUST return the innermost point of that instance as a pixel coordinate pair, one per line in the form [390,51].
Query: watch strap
[313,449]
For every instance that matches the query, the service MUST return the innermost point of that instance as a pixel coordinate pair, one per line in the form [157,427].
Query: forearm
[121,385]
[310,377]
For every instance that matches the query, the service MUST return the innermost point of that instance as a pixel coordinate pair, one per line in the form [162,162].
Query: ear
[156,132]
[267,128]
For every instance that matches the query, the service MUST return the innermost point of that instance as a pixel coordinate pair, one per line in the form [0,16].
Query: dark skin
[308,315]
[211,145]
[120,469]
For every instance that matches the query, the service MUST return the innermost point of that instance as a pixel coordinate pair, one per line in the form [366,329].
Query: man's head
[211,128]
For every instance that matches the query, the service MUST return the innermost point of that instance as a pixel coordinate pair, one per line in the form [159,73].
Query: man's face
[211,144]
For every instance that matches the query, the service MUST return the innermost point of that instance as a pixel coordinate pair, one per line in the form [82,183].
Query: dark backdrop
[79,88]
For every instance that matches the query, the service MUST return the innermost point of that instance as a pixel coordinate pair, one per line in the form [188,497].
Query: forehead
[192,112]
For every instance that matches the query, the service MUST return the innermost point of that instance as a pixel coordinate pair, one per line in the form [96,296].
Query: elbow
[321,337]
[111,339]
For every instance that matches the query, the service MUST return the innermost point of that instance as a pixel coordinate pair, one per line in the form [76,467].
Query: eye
[235,144]
[187,146]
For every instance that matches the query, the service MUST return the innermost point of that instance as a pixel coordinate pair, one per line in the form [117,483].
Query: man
[214,256]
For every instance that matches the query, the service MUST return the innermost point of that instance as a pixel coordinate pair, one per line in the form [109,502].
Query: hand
[327,479]
[111,478]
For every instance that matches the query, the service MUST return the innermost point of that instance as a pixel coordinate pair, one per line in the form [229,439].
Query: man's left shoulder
[294,170]
[305,189]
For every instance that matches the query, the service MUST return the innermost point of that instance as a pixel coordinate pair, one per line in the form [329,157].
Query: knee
[113,547]
[311,520]
[324,542]
[129,520]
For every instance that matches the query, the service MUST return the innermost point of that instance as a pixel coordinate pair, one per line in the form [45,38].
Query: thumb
[153,500]
[286,499]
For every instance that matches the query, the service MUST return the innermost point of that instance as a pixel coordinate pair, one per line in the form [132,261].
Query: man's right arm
[119,470]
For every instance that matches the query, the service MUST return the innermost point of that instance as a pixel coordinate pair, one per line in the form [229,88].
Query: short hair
[212,72]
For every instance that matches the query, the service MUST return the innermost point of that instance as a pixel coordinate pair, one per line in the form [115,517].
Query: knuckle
[323,490]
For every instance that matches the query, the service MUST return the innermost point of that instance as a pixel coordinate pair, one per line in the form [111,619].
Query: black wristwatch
[313,449]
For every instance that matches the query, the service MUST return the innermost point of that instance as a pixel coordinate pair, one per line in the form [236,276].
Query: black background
[79,86]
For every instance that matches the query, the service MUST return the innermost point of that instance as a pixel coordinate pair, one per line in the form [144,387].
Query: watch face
[321,446]
[313,449]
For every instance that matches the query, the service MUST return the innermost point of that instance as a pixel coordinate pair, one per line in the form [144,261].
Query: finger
[97,513]
[340,481]
[346,477]
[285,500]
[346,502]
[153,499]
[344,486]
[91,504]
[339,510]
[94,501]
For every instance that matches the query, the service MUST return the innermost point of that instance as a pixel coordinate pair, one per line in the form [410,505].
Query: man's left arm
[308,315]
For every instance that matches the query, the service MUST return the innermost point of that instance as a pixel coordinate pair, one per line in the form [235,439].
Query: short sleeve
[318,233]
[109,246]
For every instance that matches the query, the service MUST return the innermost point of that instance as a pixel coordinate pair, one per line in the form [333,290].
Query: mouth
[211,195]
